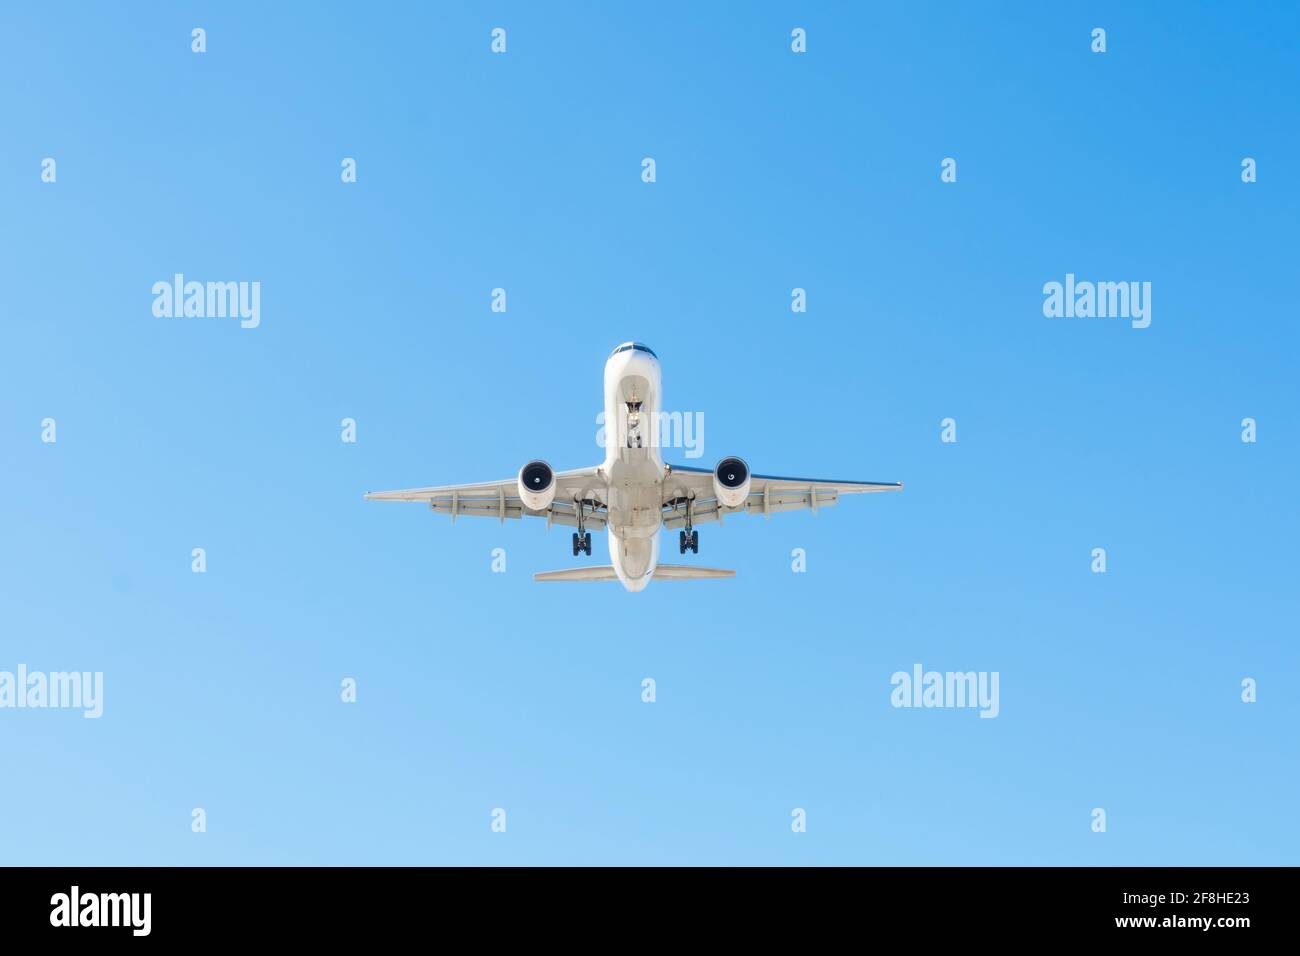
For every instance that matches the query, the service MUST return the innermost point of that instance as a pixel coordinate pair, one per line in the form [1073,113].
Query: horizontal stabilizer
[687,572]
[605,572]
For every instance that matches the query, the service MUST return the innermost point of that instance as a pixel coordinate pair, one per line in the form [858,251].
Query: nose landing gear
[633,424]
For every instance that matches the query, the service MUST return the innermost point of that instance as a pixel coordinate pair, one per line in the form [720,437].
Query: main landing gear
[689,538]
[581,537]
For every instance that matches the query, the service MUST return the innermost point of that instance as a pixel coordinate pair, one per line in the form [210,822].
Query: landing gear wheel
[689,538]
[581,537]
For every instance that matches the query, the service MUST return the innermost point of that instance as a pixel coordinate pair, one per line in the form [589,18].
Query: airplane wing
[767,494]
[500,499]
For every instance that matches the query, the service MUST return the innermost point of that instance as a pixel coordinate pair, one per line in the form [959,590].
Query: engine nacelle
[537,485]
[731,481]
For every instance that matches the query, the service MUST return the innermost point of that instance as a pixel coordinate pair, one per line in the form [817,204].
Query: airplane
[633,494]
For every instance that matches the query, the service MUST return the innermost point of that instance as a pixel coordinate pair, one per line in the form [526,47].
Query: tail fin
[605,572]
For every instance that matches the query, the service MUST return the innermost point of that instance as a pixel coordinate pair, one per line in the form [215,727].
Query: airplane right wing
[767,494]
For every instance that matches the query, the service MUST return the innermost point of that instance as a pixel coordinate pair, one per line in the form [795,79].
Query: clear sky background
[775,170]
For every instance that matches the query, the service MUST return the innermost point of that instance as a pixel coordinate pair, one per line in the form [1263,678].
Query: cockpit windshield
[633,346]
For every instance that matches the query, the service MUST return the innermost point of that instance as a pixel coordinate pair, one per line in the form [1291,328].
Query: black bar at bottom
[207,905]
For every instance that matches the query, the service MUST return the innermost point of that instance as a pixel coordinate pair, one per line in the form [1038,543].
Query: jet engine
[537,485]
[731,482]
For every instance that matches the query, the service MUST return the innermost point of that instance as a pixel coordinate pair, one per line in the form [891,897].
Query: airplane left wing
[500,499]
[767,494]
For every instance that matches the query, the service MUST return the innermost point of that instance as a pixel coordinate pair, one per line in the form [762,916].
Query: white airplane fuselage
[634,467]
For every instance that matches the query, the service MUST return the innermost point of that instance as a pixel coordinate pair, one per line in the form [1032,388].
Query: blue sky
[774,170]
